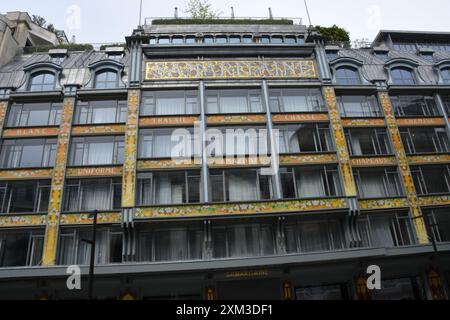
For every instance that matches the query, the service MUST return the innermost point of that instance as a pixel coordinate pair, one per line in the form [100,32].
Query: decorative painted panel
[300,117]
[3,109]
[308,159]
[373,161]
[85,218]
[131,149]
[241,208]
[427,159]
[12,221]
[167,121]
[168,164]
[25,174]
[58,179]
[232,69]
[434,201]
[375,122]
[418,122]
[405,172]
[94,172]
[30,132]
[98,130]
[341,146]
[238,162]
[376,204]
[236,119]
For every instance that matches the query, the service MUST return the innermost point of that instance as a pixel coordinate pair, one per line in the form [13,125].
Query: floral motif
[26,174]
[94,130]
[383,204]
[236,119]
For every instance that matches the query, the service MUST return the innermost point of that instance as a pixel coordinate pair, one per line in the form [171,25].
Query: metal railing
[295,20]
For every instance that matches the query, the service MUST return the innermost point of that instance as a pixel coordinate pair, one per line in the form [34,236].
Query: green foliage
[334,33]
[122,45]
[69,47]
[201,9]
[222,21]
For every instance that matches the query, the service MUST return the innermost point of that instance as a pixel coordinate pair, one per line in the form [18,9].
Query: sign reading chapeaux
[236,69]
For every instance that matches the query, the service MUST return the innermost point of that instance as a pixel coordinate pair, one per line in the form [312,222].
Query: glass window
[402,76]
[265,39]
[304,138]
[34,114]
[378,183]
[386,230]
[431,179]
[106,80]
[359,106]
[290,39]
[177,40]
[221,39]
[438,224]
[42,82]
[330,292]
[296,100]
[347,76]
[190,40]
[369,142]
[169,103]
[425,140]
[163,40]
[445,73]
[92,194]
[398,289]
[239,185]
[21,248]
[171,243]
[172,187]
[414,106]
[24,196]
[73,249]
[277,39]
[310,182]
[101,111]
[235,39]
[208,39]
[234,101]
[247,39]
[88,151]
[28,153]
[314,234]
[166,143]
[243,240]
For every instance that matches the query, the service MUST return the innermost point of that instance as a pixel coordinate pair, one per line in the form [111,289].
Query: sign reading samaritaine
[235,69]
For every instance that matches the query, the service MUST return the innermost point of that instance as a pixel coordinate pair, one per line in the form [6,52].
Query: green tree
[201,9]
[334,33]
[40,21]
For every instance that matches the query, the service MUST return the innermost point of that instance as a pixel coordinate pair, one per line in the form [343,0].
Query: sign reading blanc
[231,69]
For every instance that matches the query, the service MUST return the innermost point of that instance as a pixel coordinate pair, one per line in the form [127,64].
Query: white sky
[101,21]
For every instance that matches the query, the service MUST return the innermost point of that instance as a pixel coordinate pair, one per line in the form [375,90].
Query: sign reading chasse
[238,69]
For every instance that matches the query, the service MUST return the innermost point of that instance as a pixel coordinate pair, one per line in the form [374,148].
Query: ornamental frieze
[167,121]
[236,119]
[94,172]
[405,122]
[308,159]
[369,204]
[30,132]
[443,200]
[240,209]
[98,129]
[425,159]
[25,174]
[22,221]
[86,218]
[376,122]
[300,117]
[168,164]
[235,69]
[225,162]
[373,161]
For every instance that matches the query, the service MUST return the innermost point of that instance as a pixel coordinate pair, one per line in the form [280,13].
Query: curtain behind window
[372,185]
[242,186]
[96,195]
[309,184]
[169,106]
[233,104]
[381,231]
[100,153]
[314,236]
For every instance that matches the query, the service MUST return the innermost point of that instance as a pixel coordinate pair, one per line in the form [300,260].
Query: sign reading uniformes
[231,69]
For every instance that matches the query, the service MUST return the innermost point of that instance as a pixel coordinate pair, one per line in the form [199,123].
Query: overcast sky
[101,21]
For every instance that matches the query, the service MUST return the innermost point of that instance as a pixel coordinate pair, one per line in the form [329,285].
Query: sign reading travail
[236,69]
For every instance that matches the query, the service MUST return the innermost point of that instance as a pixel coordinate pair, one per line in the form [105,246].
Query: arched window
[402,76]
[446,75]
[106,80]
[347,76]
[42,82]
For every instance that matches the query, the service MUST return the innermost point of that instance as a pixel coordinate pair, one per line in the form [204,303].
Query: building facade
[363,156]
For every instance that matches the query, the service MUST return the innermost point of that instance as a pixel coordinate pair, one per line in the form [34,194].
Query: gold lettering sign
[31,132]
[94,172]
[420,122]
[299,117]
[242,69]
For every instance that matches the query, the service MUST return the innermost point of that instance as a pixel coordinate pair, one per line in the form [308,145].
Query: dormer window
[177,40]
[106,80]
[57,59]
[235,39]
[247,39]
[265,39]
[347,76]
[290,40]
[208,39]
[277,39]
[446,75]
[221,39]
[163,40]
[190,40]
[44,81]
[402,76]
